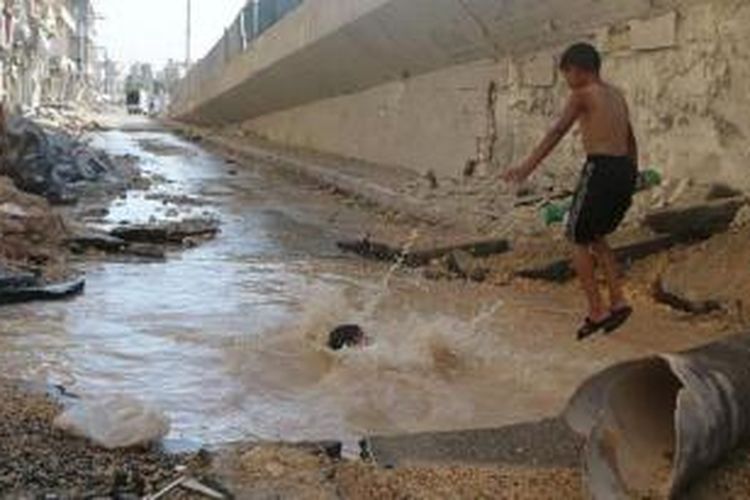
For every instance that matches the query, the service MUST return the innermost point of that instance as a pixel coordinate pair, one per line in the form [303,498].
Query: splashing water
[377,298]
[486,314]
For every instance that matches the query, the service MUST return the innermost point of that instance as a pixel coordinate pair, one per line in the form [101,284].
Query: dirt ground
[284,472]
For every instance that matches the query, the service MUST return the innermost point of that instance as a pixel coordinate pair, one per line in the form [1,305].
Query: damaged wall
[686,74]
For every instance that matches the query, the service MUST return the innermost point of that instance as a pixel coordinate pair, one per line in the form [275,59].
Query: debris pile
[32,233]
[181,232]
[55,164]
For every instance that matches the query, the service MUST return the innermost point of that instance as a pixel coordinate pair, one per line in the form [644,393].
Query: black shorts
[604,195]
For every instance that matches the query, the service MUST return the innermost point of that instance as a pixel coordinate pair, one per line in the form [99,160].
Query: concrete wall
[436,84]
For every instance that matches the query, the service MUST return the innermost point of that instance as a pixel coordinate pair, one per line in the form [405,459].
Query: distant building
[47,51]
[111,81]
[140,77]
[84,52]
[63,71]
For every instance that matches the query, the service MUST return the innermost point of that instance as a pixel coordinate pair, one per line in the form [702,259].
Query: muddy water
[227,337]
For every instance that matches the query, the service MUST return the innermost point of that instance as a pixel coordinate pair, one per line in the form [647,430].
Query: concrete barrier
[436,84]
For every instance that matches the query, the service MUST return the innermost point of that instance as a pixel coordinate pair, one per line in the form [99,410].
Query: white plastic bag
[114,422]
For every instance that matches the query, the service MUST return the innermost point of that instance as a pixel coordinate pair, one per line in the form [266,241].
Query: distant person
[607,184]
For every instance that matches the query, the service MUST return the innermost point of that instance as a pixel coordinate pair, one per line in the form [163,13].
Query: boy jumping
[607,184]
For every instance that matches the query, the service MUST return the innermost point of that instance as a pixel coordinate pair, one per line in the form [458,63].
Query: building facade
[47,51]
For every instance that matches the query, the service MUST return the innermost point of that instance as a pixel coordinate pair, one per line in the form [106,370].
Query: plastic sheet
[114,422]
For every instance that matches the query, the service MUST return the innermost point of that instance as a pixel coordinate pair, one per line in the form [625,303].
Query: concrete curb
[546,443]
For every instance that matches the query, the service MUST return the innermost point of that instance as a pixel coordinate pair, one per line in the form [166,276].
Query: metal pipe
[655,425]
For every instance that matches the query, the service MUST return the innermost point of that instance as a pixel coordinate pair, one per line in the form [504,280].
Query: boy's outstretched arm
[570,115]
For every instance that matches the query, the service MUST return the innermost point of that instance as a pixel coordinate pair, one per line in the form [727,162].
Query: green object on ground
[648,178]
[554,213]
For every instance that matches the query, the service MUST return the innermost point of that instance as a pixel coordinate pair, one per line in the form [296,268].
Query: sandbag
[114,422]
[655,425]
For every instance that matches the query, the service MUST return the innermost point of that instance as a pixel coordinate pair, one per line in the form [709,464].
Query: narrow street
[228,338]
[304,249]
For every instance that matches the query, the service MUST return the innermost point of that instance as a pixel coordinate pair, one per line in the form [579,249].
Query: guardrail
[257,17]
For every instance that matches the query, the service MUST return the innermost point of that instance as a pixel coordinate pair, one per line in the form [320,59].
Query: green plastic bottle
[648,178]
[554,213]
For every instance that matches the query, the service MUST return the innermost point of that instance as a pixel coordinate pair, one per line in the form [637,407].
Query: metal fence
[257,17]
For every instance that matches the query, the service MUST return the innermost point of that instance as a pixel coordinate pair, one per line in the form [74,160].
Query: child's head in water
[346,336]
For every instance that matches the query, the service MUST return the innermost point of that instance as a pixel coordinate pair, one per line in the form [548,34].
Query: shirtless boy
[607,184]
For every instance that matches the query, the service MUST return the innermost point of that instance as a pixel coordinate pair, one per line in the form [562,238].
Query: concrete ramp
[548,443]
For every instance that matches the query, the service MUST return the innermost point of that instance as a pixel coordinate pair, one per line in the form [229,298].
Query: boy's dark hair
[345,336]
[582,56]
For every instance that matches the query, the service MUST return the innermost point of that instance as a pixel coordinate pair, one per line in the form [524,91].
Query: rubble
[742,218]
[91,240]
[178,199]
[420,257]
[169,232]
[710,277]
[465,266]
[32,234]
[54,164]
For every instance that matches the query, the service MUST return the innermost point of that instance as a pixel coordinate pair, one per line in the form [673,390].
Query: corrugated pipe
[655,425]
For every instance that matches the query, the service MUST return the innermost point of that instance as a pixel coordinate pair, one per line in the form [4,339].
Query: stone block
[538,70]
[655,33]
[613,38]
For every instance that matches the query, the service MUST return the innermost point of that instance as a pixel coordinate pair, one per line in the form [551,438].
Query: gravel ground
[39,461]
[286,472]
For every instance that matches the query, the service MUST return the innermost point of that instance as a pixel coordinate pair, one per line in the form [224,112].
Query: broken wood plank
[419,258]
[696,222]
[196,486]
[542,198]
[677,299]
[560,270]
